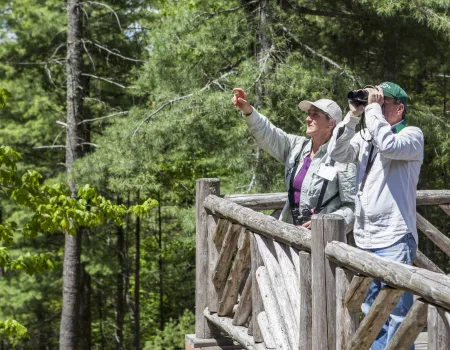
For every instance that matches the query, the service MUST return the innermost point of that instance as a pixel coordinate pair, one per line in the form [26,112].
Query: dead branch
[324,58]
[178,99]
[112,52]
[87,52]
[53,146]
[109,8]
[340,14]
[101,118]
[104,79]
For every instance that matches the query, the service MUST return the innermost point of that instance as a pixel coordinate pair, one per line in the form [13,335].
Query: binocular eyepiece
[358,97]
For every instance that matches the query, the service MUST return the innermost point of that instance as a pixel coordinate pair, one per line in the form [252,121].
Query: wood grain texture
[257,303]
[238,333]
[357,291]
[325,228]
[214,293]
[204,187]
[284,306]
[229,244]
[266,331]
[241,263]
[423,262]
[272,309]
[410,328]
[438,330]
[378,313]
[346,322]
[433,287]
[244,308]
[305,331]
[265,225]
[442,241]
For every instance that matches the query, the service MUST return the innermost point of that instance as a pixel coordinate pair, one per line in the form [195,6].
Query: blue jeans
[404,251]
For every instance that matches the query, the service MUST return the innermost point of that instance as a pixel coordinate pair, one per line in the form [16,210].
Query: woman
[309,171]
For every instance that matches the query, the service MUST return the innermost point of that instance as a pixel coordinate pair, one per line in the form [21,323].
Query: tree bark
[69,333]
[137,268]
[120,302]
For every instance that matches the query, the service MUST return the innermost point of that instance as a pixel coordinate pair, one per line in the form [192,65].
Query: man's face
[392,110]
[317,122]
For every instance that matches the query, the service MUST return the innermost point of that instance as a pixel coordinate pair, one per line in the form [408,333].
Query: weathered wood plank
[241,262]
[305,301]
[356,292]
[325,228]
[278,324]
[257,303]
[238,333]
[290,278]
[423,262]
[433,197]
[438,329]
[266,330]
[371,325]
[442,241]
[214,293]
[273,201]
[204,187]
[260,201]
[244,308]
[285,309]
[229,244]
[221,229]
[346,322]
[265,225]
[296,261]
[410,327]
[445,208]
[432,286]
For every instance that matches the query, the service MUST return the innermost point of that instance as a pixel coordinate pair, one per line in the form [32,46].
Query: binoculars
[358,97]
[300,218]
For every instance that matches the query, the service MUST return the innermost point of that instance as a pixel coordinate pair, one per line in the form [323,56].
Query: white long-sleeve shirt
[385,210]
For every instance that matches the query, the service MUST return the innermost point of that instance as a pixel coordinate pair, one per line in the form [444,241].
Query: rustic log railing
[266,284]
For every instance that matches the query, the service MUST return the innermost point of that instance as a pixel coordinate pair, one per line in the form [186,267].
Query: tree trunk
[137,326]
[160,265]
[85,310]
[69,335]
[120,303]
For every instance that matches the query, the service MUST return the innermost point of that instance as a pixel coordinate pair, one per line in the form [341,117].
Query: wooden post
[346,321]
[257,307]
[305,301]
[325,228]
[205,187]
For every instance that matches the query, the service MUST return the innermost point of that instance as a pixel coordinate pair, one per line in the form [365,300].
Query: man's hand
[307,225]
[240,100]
[375,96]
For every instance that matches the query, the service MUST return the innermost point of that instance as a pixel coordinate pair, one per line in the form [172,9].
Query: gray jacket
[285,148]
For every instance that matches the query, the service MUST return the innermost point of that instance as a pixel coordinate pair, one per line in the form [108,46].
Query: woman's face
[318,123]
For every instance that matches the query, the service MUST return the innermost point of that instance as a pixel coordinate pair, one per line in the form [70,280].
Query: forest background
[133,97]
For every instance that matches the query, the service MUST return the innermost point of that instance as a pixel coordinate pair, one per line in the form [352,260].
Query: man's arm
[406,145]
[344,145]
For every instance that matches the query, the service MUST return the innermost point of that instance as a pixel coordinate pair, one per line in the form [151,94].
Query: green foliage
[4,94]
[12,329]
[172,337]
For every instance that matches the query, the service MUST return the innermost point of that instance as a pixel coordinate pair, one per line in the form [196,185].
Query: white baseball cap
[328,106]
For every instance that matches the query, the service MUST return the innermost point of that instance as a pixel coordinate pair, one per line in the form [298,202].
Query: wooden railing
[270,285]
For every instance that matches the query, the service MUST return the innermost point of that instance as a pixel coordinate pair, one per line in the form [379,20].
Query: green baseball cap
[395,91]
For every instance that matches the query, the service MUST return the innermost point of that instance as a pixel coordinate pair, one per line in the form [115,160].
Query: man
[389,155]
[307,164]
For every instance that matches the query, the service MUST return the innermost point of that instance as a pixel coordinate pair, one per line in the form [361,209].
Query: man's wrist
[248,114]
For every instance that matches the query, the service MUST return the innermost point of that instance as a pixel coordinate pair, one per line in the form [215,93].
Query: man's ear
[401,108]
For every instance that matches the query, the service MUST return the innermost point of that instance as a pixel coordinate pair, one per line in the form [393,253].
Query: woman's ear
[332,123]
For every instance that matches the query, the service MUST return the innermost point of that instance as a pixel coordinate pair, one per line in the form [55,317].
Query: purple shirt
[298,181]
